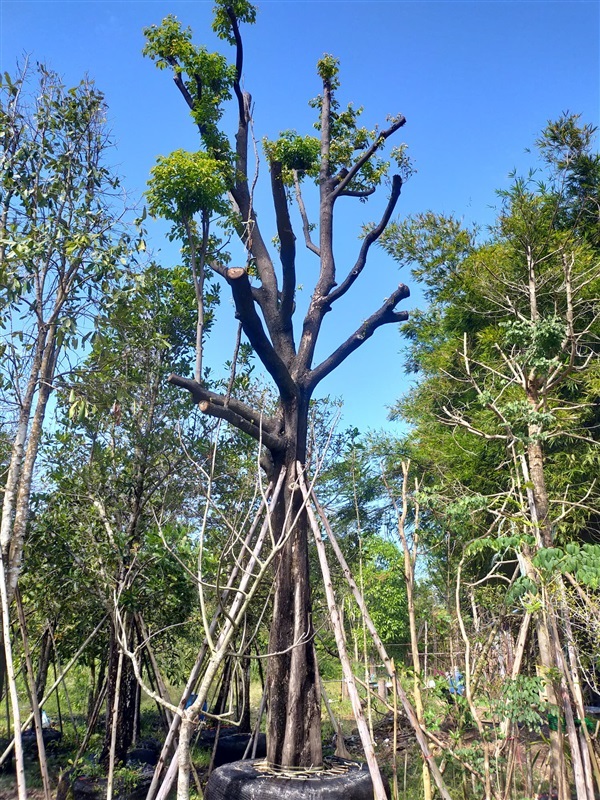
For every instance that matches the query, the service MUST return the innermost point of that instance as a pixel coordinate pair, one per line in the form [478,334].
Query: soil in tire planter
[245,780]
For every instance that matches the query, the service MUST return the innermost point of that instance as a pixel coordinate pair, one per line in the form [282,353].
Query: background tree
[508,352]
[61,247]
[119,469]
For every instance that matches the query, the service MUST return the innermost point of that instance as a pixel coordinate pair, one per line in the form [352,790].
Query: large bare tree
[344,162]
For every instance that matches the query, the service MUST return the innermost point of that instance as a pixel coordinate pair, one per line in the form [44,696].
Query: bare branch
[369,239]
[287,242]
[383,316]
[178,80]
[357,166]
[274,443]
[454,418]
[363,194]
[248,419]
[237,277]
[239,62]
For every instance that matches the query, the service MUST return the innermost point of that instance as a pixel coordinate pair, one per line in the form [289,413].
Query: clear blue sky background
[477,82]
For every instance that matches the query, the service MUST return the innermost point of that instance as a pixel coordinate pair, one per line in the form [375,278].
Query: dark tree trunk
[43,663]
[244,698]
[128,696]
[294,710]
[221,701]
[97,690]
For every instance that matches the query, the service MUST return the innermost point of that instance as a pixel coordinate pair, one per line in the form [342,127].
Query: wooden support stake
[37,716]
[363,730]
[408,709]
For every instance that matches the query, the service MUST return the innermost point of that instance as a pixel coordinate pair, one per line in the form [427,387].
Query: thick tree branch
[250,233]
[237,278]
[200,394]
[254,429]
[327,273]
[178,80]
[357,166]
[371,237]
[239,61]
[454,418]
[248,229]
[318,303]
[287,243]
[239,414]
[364,193]
[384,315]
[220,269]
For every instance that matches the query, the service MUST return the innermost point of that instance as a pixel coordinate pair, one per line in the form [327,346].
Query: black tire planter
[84,788]
[8,765]
[50,736]
[146,753]
[233,746]
[208,735]
[242,780]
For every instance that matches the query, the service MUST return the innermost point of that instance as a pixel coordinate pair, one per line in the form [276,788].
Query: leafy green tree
[385,591]
[505,412]
[129,470]
[184,185]
[345,160]
[62,247]
[117,467]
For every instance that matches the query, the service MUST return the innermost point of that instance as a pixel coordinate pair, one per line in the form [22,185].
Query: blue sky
[477,81]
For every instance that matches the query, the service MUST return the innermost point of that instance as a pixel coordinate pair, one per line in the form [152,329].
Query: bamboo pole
[408,709]
[37,717]
[67,698]
[196,669]
[340,744]
[29,719]
[363,730]
[160,684]
[253,740]
[395,792]
[113,731]
[12,686]
[410,558]
[243,595]
[468,689]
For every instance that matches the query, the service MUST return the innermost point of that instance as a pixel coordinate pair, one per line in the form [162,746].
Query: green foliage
[184,184]
[524,591]
[521,701]
[112,471]
[539,341]
[582,561]
[348,140]
[480,300]
[385,590]
[294,153]
[242,11]
[328,69]
[58,228]
[207,78]
[434,246]
[506,355]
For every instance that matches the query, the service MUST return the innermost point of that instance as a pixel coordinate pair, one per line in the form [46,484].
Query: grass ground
[407,761]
